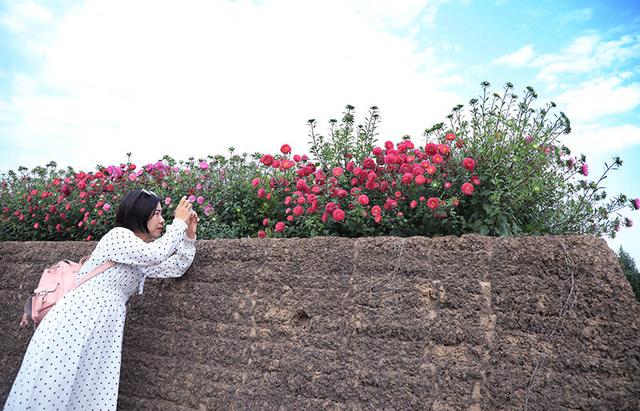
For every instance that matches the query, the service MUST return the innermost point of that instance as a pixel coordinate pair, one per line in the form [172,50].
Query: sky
[85,82]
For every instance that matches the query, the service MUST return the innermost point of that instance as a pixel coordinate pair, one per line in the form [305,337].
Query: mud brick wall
[450,323]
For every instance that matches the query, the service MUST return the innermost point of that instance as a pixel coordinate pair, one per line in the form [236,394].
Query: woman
[73,359]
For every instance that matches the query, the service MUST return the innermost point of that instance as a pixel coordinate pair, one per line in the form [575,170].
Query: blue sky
[84,82]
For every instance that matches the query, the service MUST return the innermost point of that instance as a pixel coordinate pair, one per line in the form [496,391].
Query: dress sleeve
[177,264]
[121,245]
[174,266]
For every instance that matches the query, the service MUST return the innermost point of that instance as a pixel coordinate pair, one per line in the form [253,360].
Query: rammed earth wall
[445,323]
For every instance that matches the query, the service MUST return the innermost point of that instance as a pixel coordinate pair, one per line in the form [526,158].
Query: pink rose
[584,170]
[338,215]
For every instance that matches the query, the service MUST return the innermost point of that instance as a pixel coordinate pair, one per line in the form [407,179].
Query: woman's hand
[183,210]
[192,226]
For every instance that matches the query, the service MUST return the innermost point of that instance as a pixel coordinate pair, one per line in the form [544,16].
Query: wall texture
[446,323]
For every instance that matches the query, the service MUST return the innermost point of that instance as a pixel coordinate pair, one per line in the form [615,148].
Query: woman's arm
[121,245]
[177,264]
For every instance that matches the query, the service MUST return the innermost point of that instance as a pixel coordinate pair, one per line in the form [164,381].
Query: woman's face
[155,225]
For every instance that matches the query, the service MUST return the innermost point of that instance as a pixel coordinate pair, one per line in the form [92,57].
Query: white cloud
[600,97]
[586,54]
[158,78]
[518,58]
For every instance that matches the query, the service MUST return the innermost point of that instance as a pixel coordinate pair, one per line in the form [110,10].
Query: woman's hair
[136,209]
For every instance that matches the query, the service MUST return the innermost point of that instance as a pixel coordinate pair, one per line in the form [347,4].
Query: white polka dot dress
[73,359]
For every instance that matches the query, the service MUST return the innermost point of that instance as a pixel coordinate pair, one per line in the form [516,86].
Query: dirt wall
[468,322]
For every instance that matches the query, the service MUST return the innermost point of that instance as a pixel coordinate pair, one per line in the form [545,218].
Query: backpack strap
[104,266]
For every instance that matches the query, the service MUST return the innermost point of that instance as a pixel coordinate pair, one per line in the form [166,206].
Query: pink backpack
[54,283]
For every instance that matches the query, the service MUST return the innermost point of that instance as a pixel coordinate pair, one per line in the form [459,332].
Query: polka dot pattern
[73,359]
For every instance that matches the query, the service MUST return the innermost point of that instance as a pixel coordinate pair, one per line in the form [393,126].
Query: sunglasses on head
[149,193]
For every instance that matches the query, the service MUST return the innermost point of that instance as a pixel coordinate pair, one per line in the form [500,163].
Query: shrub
[400,189]
[630,271]
[51,204]
[531,183]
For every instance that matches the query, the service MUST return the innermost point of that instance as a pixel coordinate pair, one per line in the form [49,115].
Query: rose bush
[399,189]
[51,204]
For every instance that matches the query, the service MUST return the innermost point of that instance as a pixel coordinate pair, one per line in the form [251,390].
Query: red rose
[467,189]
[267,159]
[279,227]
[262,234]
[444,149]
[301,185]
[338,215]
[298,210]
[330,207]
[450,136]
[431,149]
[341,193]
[469,164]
[285,149]
[363,199]
[433,203]
[369,164]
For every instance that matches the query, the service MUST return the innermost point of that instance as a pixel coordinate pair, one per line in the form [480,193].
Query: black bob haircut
[136,209]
